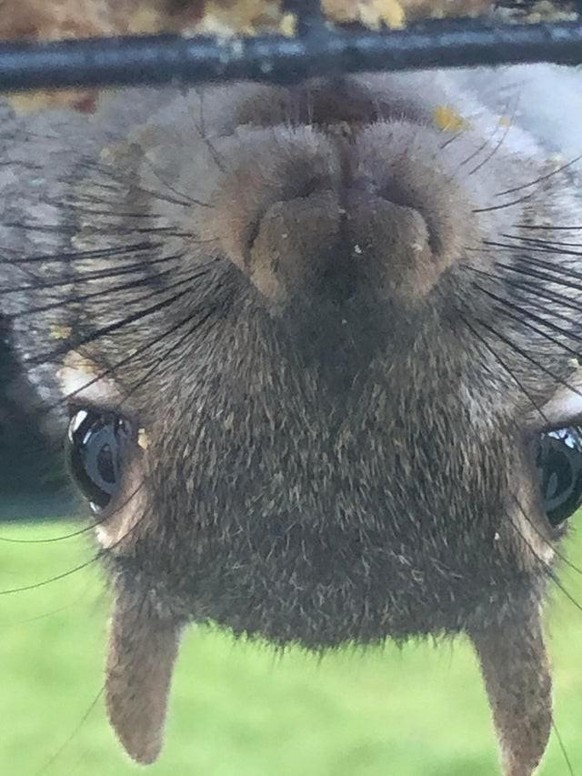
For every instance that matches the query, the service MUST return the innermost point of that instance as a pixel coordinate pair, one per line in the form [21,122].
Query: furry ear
[516,671]
[142,652]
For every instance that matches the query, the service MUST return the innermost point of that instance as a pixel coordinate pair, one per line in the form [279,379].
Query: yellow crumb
[371,13]
[143,439]
[439,9]
[546,11]
[288,26]
[375,13]
[250,17]
[58,332]
[447,119]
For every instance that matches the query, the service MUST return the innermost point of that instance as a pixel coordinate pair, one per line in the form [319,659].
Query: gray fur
[339,438]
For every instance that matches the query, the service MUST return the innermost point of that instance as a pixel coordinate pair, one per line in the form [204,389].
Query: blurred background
[240,709]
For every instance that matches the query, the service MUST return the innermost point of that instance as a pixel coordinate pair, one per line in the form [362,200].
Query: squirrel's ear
[517,676]
[142,652]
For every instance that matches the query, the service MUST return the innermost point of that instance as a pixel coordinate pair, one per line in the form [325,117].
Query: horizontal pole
[171,59]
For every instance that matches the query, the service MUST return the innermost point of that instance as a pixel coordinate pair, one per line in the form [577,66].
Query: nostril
[406,199]
[294,248]
[301,188]
[330,249]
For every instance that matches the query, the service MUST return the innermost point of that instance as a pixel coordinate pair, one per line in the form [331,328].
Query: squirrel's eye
[96,444]
[559,464]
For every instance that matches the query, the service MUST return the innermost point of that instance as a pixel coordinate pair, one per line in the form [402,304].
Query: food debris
[143,439]
[448,119]
[59,332]
[371,13]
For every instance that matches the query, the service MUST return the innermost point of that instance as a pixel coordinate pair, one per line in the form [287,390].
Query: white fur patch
[565,407]
[80,381]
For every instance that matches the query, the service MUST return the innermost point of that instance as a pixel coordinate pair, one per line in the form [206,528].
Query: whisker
[97,253]
[56,578]
[79,278]
[540,240]
[119,324]
[122,185]
[100,554]
[79,532]
[187,201]
[538,304]
[163,359]
[513,202]
[480,148]
[550,227]
[555,550]
[562,748]
[565,591]
[534,273]
[528,316]
[95,522]
[558,250]
[490,156]
[84,204]
[201,129]
[54,757]
[506,368]
[452,139]
[115,367]
[74,230]
[22,164]
[527,356]
[547,568]
[45,615]
[534,290]
[559,270]
[541,177]
[496,148]
[103,293]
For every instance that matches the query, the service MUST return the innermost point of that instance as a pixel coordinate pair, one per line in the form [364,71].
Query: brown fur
[335,450]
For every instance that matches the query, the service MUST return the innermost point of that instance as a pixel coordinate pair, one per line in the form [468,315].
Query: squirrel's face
[311,365]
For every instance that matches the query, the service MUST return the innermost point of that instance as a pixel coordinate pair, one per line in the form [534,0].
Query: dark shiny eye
[96,446]
[559,464]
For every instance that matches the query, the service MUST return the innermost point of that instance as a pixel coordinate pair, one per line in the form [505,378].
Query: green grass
[240,710]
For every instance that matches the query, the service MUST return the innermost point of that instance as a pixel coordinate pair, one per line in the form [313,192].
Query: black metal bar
[173,59]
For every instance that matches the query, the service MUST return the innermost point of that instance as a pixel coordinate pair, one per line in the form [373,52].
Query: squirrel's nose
[323,214]
[334,243]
